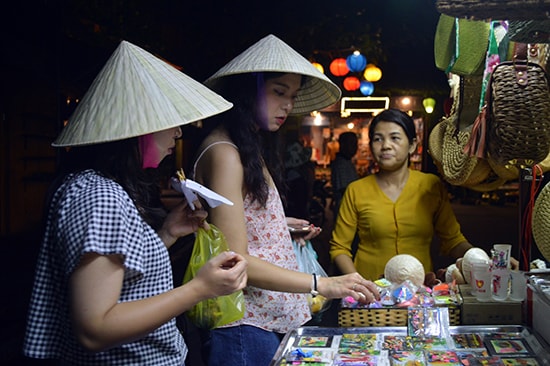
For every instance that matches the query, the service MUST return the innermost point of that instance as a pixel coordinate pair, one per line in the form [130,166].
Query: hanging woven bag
[518,111]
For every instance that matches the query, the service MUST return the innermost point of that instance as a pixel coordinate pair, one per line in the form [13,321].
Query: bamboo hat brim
[270,54]
[135,94]
[541,221]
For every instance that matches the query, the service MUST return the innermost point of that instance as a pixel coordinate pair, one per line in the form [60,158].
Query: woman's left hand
[302,238]
[182,221]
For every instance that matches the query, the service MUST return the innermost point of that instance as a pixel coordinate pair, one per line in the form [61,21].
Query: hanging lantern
[372,73]
[319,67]
[356,62]
[429,105]
[366,88]
[338,67]
[351,83]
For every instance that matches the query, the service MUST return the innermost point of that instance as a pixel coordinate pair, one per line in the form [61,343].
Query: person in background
[342,168]
[396,210]
[103,292]
[240,159]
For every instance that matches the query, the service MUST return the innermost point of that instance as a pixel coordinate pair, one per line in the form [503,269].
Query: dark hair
[256,146]
[120,161]
[348,144]
[395,116]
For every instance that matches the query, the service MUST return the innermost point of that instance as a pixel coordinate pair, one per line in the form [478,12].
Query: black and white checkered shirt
[90,213]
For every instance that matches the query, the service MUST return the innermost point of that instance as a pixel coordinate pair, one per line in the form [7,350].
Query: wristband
[314,291]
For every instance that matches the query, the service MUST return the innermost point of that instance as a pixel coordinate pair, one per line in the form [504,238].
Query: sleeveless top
[269,240]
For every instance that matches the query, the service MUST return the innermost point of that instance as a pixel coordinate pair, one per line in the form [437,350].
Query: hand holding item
[182,221]
[223,274]
[301,230]
[352,284]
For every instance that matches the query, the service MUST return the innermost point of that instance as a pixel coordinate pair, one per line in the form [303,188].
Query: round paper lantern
[338,67]
[319,67]
[372,73]
[356,62]
[351,83]
[404,267]
[366,88]
[429,105]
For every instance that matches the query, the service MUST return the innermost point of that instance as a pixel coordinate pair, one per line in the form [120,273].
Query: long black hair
[257,147]
[120,161]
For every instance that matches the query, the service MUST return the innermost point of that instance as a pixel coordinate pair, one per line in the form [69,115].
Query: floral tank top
[269,240]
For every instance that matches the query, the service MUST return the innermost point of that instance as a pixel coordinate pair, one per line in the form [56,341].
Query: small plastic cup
[481,281]
[500,280]
[518,285]
[501,255]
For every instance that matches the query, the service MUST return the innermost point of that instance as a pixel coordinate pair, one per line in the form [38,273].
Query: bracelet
[314,291]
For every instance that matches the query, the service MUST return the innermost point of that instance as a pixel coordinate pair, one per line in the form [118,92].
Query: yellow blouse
[386,228]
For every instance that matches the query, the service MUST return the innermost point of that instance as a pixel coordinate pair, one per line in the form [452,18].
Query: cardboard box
[489,313]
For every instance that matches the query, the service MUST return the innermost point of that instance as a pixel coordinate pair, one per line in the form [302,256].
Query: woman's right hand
[223,274]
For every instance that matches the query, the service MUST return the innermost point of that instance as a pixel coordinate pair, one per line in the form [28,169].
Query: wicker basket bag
[495,9]
[518,112]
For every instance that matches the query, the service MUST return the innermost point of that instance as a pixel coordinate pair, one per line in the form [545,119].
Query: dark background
[51,50]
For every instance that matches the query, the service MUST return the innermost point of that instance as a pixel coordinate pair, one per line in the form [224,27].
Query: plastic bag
[217,311]
[307,262]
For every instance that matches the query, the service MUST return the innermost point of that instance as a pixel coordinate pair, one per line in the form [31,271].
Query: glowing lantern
[366,88]
[319,67]
[372,73]
[429,105]
[338,67]
[351,83]
[356,62]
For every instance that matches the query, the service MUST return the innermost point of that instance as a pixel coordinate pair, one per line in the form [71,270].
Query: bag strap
[520,61]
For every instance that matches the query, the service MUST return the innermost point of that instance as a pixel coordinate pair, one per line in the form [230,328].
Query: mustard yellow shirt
[386,228]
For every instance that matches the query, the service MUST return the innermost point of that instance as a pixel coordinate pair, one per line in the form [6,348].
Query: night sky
[67,42]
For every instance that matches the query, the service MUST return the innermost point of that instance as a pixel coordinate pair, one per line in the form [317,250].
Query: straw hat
[435,148]
[270,54]
[136,94]
[541,221]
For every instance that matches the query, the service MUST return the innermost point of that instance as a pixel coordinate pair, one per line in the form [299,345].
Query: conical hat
[270,54]
[136,94]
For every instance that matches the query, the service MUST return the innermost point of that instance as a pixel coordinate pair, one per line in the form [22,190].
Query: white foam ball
[404,267]
[471,256]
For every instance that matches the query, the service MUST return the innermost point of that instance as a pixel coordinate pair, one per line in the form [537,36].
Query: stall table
[473,344]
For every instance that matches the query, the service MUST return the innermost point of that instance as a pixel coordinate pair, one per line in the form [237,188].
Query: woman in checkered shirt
[103,291]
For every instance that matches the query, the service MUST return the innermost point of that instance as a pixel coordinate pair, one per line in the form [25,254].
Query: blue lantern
[366,88]
[356,62]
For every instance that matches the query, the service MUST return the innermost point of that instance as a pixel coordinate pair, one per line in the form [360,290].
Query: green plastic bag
[217,311]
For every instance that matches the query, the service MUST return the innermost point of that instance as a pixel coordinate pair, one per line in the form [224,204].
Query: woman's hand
[302,236]
[352,284]
[223,274]
[182,221]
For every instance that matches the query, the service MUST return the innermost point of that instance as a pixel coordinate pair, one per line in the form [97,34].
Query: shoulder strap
[206,149]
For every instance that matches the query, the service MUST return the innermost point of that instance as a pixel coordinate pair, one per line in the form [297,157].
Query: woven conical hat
[541,221]
[136,94]
[270,54]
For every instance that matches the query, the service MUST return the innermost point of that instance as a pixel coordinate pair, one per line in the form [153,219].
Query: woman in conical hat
[240,158]
[103,291]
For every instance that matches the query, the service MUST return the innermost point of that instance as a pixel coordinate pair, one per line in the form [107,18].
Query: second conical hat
[270,54]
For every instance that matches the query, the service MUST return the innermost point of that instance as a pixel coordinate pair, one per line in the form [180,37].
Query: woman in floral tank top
[239,158]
